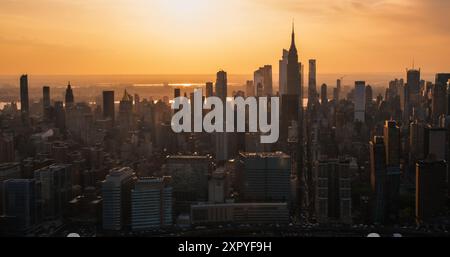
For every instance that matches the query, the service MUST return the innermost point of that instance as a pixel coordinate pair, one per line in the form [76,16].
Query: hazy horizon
[377,79]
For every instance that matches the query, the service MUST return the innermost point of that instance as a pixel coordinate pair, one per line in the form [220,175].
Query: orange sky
[202,36]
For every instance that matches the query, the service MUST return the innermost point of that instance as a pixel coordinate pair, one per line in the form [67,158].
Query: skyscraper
[116,191]
[151,204]
[443,79]
[338,90]
[209,89]
[333,191]
[222,85]
[46,96]
[24,101]
[312,82]
[189,178]
[21,202]
[369,96]
[69,95]
[56,188]
[324,94]
[60,115]
[46,107]
[392,141]
[360,101]
[412,92]
[392,145]
[439,98]
[378,178]
[221,147]
[262,79]
[293,69]
[126,112]
[435,143]
[108,105]
[265,177]
[283,73]
[249,88]
[430,189]
[291,108]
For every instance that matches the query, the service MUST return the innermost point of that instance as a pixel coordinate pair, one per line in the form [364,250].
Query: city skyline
[258,147]
[197,37]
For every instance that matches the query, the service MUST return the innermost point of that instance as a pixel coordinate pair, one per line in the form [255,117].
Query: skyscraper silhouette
[312,83]
[292,109]
[69,95]
[293,68]
[46,102]
[209,89]
[222,137]
[46,96]
[221,85]
[24,101]
[108,105]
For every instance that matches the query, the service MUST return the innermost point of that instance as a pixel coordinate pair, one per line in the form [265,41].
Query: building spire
[293,33]
[293,48]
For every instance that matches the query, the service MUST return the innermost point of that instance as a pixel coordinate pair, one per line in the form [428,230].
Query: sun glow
[185,7]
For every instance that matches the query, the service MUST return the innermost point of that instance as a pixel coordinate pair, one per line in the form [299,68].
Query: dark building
[176,92]
[430,190]
[443,79]
[392,142]
[435,143]
[293,69]
[412,92]
[333,191]
[60,116]
[369,96]
[7,149]
[221,139]
[108,105]
[312,84]
[55,188]
[292,110]
[116,192]
[46,96]
[126,112]
[249,88]
[21,199]
[323,94]
[46,108]
[221,85]
[439,98]
[292,101]
[209,89]
[24,101]
[392,145]
[69,95]
[264,177]
[378,178]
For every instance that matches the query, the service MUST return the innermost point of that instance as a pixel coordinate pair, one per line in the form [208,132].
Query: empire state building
[293,69]
[291,114]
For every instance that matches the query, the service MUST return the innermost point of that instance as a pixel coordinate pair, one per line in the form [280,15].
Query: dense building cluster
[345,157]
